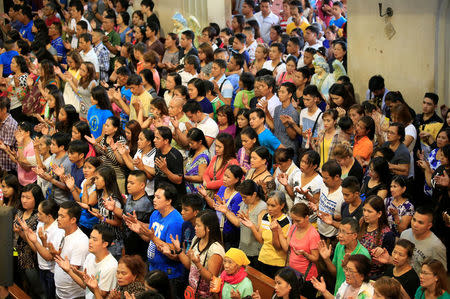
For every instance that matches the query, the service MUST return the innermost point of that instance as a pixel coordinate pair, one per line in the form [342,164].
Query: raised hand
[324,250]
[42,236]
[283,179]
[63,263]
[137,162]
[325,217]
[202,191]
[176,243]
[31,236]
[58,170]
[90,281]
[123,149]
[275,225]
[194,257]
[381,255]
[109,204]
[90,139]
[161,163]
[245,220]
[69,181]
[319,285]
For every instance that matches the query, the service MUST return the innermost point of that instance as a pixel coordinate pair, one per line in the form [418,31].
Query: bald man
[177,124]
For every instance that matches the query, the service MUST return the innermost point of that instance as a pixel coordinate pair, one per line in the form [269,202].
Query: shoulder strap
[221,84]
[315,123]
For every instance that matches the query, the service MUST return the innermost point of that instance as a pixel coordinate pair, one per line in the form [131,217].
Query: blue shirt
[96,118]
[5,59]
[164,227]
[25,31]
[233,206]
[234,80]
[267,139]
[78,175]
[339,22]
[206,106]
[61,51]
[124,118]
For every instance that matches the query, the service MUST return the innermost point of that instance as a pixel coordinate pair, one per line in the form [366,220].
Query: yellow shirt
[324,150]
[146,99]
[268,254]
[292,26]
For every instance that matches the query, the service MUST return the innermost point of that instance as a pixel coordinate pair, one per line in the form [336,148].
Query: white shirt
[316,46]
[104,272]
[280,67]
[210,129]
[251,49]
[274,101]
[75,247]
[73,26]
[54,236]
[411,131]
[148,160]
[330,204]
[292,172]
[91,57]
[266,23]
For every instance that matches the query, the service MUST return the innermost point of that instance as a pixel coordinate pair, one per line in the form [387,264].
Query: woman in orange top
[364,134]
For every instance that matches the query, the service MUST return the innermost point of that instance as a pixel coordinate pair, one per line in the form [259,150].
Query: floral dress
[370,241]
[405,209]
[434,164]
[191,167]
[27,258]
[17,93]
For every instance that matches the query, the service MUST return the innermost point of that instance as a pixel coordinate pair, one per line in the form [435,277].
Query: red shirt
[51,20]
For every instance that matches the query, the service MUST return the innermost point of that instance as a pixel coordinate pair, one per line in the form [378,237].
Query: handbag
[31,102]
[300,276]
[189,292]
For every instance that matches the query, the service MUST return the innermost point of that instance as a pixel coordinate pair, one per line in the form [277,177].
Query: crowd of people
[148,165]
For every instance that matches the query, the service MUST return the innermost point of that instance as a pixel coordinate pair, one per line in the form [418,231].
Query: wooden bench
[263,283]
[17,292]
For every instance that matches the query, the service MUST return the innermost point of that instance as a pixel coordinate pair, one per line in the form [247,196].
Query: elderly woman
[356,285]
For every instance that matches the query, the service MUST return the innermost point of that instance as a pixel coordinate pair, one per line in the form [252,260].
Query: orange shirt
[363,147]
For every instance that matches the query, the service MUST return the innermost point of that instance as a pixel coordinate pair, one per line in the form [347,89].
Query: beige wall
[407,61]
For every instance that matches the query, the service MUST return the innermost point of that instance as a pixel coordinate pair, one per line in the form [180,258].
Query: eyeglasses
[347,270]
[426,273]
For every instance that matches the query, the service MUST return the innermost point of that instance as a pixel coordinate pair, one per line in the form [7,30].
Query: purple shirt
[230,130]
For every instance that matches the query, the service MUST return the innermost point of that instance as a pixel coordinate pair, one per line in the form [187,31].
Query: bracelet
[179,251]
[104,220]
[20,147]
[73,189]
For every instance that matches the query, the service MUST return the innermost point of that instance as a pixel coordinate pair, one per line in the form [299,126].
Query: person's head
[113,128]
[196,88]
[47,211]
[261,52]
[137,18]
[163,137]
[80,130]
[383,152]
[379,169]
[165,197]
[285,92]
[191,204]
[356,268]
[225,147]
[329,118]
[443,138]
[342,153]
[225,115]
[173,79]
[310,161]
[264,6]
[132,130]
[339,49]
[348,231]
[130,268]
[218,68]
[78,149]
[85,42]
[400,113]
[68,215]
[236,62]
[134,83]
[193,111]
[302,76]
[260,158]
[422,221]
[266,85]
[300,213]
[283,158]
[356,111]
[100,239]
[247,81]
[100,98]
[207,227]
[365,127]
[158,281]
[376,85]
[249,139]
[433,276]
[205,53]
[287,284]
[106,181]
[60,143]
[387,288]
[402,253]
[76,9]
[151,30]
[158,107]
[398,187]
[90,165]
[186,39]
[331,174]
[276,51]
[243,118]
[429,103]
[350,189]
[248,6]
[345,123]
[11,190]
[151,59]
[250,191]
[25,129]
[67,117]
[237,23]
[374,213]
[19,65]
[233,260]
[311,96]
[192,63]
[396,133]
[197,141]
[136,182]
[31,197]
[97,36]
[249,32]
[311,34]
[207,36]
[232,176]
[276,204]
[340,97]
[123,18]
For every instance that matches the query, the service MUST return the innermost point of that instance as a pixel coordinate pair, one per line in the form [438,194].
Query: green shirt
[238,99]
[114,38]
[420,294]
[245,288]
[338,258]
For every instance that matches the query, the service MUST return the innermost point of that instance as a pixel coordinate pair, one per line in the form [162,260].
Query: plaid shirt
[103,60]
[7,130]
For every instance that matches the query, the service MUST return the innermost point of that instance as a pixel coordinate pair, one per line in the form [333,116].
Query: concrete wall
[408,61]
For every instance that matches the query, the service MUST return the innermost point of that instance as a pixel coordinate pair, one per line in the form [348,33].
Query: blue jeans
[48,281]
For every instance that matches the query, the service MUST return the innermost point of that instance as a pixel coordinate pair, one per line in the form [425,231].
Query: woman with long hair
[204,258]
[399,209]
[378,180]
[260,162]
[132,131]
[107,149]
[108,190]
[67,117]
[55,101]
[225,156]
[375,231]
[17,87]
[84,87]
[227,200]
[158,115]
[388,288]
[340,98]
[206,56]
[74,62]
[226,120]
[123,19]
[433,281]
[329,137]
[80,130]
[170,58]
[99,112]
[198,160]
[159,281]
[343,154]
[287,285]
[249,140]
[306,187]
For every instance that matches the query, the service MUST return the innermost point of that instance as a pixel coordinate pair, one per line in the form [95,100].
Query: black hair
[111,187]
[189,34]
[78,5]
[73,209]
[313,29]
[251,133]
[84,25]
[237,172]
[86,37]
[345,123]
[221,63]
[192,106]
[431,95]
[239,59]
[83,128]
[193,60]
[284,154]
[125,17]
[376,83]
[193,200]
[176,77]
[160,282]
[351,183]
[13,182]
[370,126]
[140,174]
[228,112]
[26,11]
[279,46]
[79,146]
[72,118]
[211,221]
[241,37]
[99,94]
[36,191]
[26,127]
[342,91]
[400,130]
[153,27]
[123,71]
[269,80]
[195,134]
[362,264]
[264,154]
[165,133]
[170,192]
[148,3]
[313,157]
[332,168]
[290,87]
[134,79]
[305,72]
[381,166]
[354,224]
[289,275]
[50,207]
[182,90]
[199,85]
[106,233]
[22,63]
[259,112]
[248,80]
[61,139]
